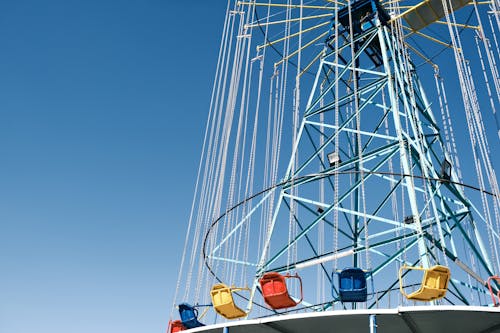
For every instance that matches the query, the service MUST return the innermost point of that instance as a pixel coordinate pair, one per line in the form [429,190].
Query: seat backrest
[436,277]
[187,312]
[352,279]
[221,294]
[273,283]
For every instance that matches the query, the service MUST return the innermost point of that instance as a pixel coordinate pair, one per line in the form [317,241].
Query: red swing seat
[275,290]
[496,301]
[175,326]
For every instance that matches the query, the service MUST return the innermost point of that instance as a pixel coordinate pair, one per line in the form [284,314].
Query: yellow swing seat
[223,302]
[434,283]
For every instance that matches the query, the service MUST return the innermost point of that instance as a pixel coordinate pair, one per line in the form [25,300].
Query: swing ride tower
[373,210]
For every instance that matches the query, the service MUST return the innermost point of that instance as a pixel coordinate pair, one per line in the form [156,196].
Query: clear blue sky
[102,112]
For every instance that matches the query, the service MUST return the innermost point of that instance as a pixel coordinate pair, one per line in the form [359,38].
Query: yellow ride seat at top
[434,283]
[223,302]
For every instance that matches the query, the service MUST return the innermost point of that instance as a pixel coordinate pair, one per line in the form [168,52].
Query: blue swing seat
[352,285]
[189,316]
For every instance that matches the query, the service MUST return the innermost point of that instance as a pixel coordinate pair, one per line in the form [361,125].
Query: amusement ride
[347,175]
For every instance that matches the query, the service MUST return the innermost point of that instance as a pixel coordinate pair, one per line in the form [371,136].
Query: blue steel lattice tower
[390,197]
[370,192]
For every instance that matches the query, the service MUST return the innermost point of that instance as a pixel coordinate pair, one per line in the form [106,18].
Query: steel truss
[388,197]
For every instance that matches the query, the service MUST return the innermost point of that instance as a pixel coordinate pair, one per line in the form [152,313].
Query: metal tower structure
[370,165]
[372,188]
